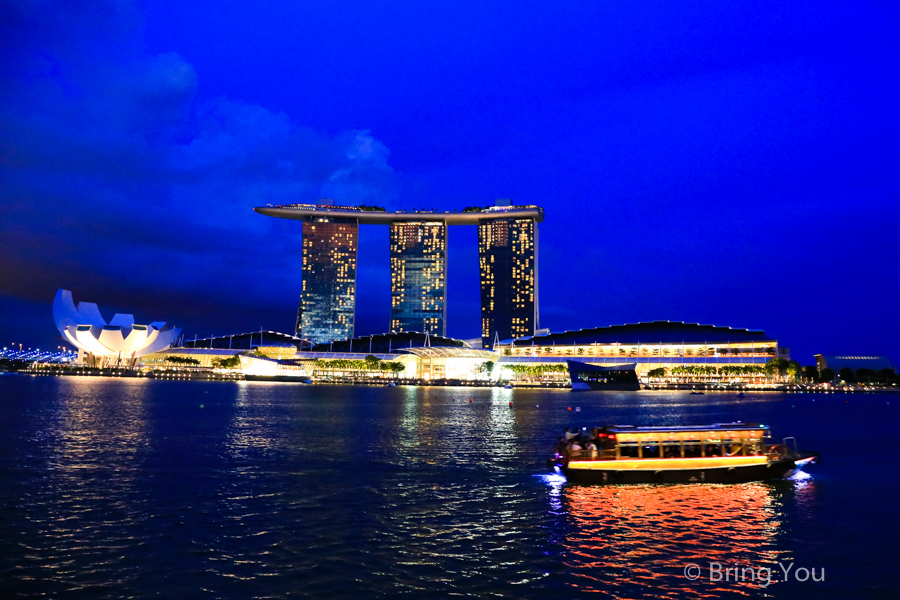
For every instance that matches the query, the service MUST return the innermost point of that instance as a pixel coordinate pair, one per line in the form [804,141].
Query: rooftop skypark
[369,215]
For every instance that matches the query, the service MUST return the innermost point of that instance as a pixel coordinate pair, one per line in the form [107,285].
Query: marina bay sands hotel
[507,257]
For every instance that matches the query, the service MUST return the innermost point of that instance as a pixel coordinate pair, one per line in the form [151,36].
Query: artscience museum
[118,343]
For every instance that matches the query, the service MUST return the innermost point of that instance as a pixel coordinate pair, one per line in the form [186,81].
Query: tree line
[535,370]
[780,368]
[369,363]
[774,368]
[709,370]
[182,360]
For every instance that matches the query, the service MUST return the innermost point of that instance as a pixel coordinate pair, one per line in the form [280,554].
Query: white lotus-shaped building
[119,342]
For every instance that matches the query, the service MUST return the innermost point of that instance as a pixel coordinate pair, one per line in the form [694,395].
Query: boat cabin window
[734,447]
[693,449]
[650,449]
[712,447]
[686,444]
[628,449]
[671,449]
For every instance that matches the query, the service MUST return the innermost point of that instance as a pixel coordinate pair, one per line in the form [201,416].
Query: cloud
[368,165]
[116,179]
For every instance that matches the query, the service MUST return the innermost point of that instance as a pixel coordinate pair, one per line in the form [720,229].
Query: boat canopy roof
[739,426]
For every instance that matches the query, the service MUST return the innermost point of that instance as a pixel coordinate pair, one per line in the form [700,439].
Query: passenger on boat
[559,447]
[735,449]
[592,447]
[713,450]
[569,435]
[574,446]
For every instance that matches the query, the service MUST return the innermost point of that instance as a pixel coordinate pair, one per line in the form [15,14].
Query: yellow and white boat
[717,453]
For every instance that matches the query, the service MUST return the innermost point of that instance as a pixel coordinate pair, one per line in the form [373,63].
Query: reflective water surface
[137,489]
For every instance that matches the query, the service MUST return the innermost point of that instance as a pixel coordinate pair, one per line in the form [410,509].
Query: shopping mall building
[671,345]
[686,351]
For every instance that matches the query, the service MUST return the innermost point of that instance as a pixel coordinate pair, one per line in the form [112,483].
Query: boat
[280,378]
[717,453]
[587,376]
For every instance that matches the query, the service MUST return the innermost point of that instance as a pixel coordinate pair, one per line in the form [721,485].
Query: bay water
[130,488]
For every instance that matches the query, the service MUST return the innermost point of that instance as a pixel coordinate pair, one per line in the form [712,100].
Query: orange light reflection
[629,541]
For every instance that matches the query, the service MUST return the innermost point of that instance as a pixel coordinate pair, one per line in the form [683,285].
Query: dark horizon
[733,166]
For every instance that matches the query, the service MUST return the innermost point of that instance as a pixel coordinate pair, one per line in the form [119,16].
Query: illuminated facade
[682,350]
[419,277]
[119,343]
[328,299]
[507,255]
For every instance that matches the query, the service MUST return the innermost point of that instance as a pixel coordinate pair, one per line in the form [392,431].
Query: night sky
[704,162]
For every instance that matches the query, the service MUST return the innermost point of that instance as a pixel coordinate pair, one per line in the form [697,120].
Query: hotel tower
[328,297]
[507,257]
[419,277]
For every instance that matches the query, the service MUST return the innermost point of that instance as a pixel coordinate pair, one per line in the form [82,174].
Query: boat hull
[778,469]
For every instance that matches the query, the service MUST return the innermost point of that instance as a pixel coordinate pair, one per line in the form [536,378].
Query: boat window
[628,449]
[712,446]
[754,448]
[734,447]
[713,450]
[692,448]
[650,450]
[671,449]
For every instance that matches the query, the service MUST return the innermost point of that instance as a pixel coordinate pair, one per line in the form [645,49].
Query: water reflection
[501,422]
[248,430]
[636,540]
[87,505]
[100,430]
[409,421]
[453,426]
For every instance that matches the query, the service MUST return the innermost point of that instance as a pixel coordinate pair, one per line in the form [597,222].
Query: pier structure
[507,253]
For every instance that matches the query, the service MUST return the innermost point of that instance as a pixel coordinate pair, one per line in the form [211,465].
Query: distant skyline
[711,163]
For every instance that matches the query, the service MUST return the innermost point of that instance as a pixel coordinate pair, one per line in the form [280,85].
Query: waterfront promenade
[188,374]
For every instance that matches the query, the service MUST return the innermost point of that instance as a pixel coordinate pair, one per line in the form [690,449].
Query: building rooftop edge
[367,217]
[610,328]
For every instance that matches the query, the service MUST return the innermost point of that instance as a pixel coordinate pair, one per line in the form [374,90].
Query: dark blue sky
[705,162]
